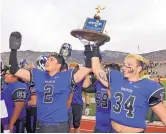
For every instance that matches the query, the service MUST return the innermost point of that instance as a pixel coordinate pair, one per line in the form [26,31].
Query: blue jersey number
[128,104]
[102,99]
[48,93]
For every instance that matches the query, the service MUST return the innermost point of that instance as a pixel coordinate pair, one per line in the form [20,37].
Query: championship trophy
[92,30]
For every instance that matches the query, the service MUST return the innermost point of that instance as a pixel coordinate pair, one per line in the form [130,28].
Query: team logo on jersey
[127,89]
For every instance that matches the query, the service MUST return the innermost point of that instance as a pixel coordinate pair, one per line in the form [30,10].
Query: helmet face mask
[40,63]
[66,50]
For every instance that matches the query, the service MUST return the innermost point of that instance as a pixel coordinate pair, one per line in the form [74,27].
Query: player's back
[52,93]
[130,100]
[103,108]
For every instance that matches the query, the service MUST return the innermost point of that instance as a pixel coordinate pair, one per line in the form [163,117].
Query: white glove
[87,111]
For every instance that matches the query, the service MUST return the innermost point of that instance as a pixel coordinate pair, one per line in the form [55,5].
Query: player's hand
[100,42]
[15,40]
[88,47]
[87,111]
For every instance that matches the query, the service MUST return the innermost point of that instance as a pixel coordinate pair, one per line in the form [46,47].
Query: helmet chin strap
[65,53]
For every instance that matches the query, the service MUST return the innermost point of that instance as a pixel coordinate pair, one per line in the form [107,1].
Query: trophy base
[90,35]
[97,17]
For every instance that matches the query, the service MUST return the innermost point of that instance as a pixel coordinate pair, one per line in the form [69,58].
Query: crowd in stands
[152,66]
[149,69]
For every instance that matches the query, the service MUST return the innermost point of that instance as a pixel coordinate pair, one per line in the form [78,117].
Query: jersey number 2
[128,104]
[48,93]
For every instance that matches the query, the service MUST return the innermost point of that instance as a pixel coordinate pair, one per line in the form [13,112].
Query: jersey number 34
[127,104]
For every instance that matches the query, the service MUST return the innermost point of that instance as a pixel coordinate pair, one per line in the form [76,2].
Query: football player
[70,115]
[103,103]
[15,96]
[52,87]
[31,113]
[4,113]
[77,102]
[130,95]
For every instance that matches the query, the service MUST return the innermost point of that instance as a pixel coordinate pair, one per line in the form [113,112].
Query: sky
[46,24]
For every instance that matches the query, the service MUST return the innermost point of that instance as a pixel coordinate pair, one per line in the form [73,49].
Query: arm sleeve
[157,94]
[73,83]
[19,94]
[90,89]
[32,90]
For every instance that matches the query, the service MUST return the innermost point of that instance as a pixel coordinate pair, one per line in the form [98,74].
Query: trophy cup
[92,30]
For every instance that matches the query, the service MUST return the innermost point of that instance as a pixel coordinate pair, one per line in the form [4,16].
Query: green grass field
[164,84]
[93,105]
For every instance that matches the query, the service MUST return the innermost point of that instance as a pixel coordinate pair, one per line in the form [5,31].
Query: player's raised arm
[96,67]
[15,43]
[84,71]
[81,74]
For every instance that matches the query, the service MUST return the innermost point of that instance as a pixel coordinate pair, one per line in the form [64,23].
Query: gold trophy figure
[92,30]
[97,15]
